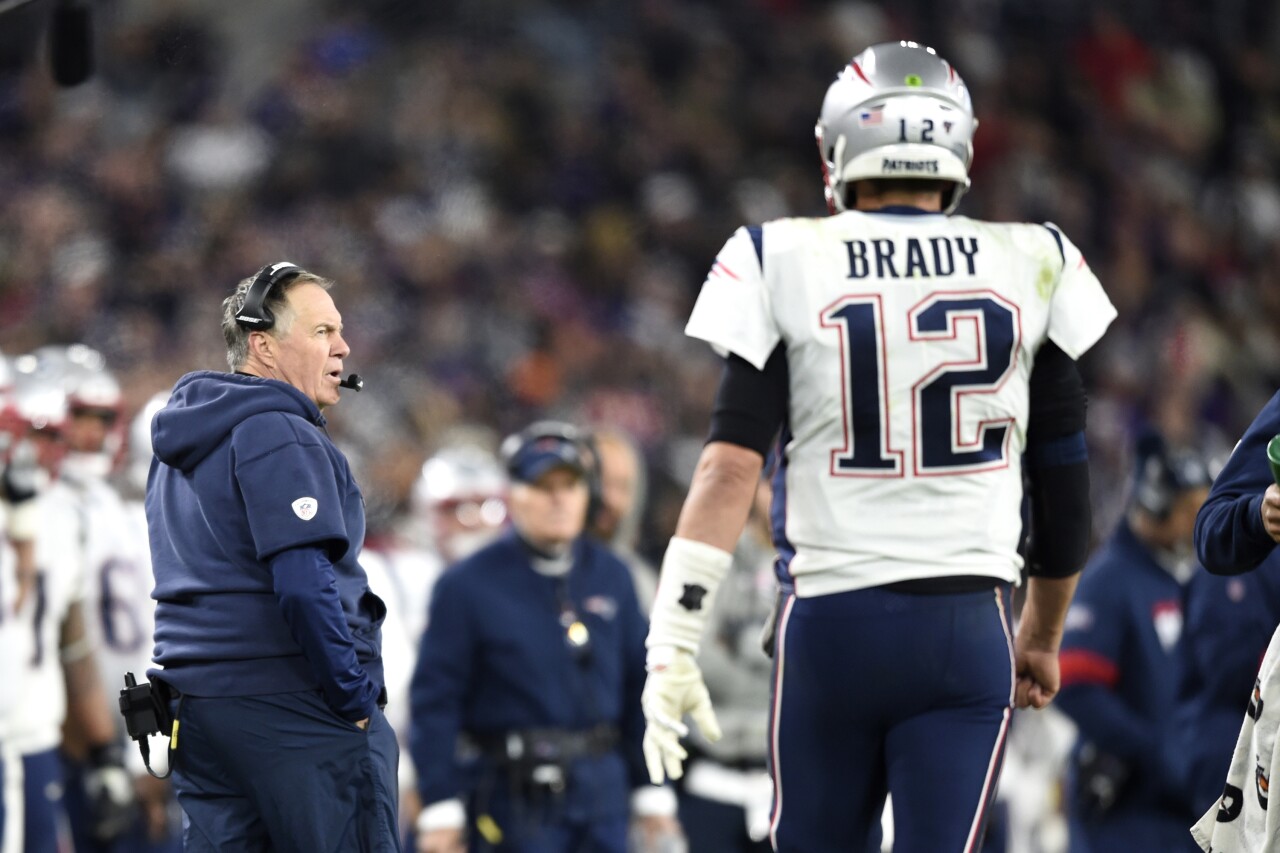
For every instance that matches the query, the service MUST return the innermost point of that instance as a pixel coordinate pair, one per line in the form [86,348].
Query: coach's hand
[673,688]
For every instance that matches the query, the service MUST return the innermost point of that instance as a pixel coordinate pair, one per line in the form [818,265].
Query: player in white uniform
[910,359]
[120,614]
[59,680]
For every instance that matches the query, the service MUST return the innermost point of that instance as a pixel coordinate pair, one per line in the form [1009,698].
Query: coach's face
[551,511]
[310,350]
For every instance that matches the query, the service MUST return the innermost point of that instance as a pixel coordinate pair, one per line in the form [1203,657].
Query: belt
[550,745]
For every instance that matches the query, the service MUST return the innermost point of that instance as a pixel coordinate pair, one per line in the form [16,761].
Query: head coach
[265,624]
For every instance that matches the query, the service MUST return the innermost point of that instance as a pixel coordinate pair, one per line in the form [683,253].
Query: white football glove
[691,573]
[674,688]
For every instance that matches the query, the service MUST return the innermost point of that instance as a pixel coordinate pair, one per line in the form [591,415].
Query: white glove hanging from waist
[691,574]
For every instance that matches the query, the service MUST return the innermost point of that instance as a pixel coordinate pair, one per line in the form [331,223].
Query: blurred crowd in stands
[519,202]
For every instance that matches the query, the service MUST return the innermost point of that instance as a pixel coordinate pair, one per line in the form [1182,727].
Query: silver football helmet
[897,110]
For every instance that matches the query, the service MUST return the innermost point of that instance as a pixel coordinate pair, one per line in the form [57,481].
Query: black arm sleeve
[1057,396]
[751,405]
[1057,463]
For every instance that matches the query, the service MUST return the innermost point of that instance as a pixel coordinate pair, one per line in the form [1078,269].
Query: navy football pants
[875,692]
[42,803]
[284,773]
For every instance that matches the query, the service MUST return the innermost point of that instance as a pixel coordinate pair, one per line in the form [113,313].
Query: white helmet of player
[140,451]
[40,412]
[897,110]
[461,494]
[93,443]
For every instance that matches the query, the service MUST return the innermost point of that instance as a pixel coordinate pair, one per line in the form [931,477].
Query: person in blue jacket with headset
[525,703]
[265,623]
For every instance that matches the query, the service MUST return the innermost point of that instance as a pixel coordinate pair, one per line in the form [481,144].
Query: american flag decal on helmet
[871,116]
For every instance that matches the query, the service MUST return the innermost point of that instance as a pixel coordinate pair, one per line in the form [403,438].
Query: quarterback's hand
[674,688]
[1037,670]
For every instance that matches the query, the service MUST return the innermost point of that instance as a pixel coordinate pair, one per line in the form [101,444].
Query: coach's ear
[769,633]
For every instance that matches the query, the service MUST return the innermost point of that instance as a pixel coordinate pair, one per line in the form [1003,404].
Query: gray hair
[237,336]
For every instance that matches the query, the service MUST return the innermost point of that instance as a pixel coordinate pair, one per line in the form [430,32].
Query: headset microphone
[353,381]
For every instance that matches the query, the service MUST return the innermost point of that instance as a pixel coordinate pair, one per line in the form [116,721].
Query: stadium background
[519,201]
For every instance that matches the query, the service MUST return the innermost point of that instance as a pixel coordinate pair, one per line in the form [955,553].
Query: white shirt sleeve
[1079,311]
[733,313]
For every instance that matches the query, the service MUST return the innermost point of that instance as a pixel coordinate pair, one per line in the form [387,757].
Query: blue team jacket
[1229,534]
[495,658]
[244,476]
[1119,663]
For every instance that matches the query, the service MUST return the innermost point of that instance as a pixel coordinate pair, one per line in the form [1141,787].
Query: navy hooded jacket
[256,526]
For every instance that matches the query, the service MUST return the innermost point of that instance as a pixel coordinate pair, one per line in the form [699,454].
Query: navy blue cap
[529,457]
[1162,472]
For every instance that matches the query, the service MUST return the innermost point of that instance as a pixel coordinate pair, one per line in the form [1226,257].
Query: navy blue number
[120,623]
[864,376]
[939,394]
[997,335]
[926,131]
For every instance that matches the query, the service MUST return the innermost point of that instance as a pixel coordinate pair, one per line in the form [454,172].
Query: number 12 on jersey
[937,399]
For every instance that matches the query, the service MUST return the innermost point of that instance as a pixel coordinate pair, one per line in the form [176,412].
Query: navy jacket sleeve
[1229,535]
[288,485]
[307,590]
[441,681]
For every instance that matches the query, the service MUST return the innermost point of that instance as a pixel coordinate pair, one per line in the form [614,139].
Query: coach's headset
[255,316]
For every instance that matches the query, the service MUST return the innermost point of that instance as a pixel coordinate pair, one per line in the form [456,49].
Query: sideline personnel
[265,623]
[534,654]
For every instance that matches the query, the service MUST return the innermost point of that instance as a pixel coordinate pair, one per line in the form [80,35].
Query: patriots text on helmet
[914,167]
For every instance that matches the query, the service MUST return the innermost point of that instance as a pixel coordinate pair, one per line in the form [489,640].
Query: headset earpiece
[254,314]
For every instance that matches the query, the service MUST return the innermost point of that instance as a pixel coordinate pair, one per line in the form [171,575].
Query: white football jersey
[119,610]
[34,723]
[15,638]
[909,343]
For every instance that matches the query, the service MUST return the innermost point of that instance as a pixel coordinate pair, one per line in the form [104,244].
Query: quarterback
[906,364]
